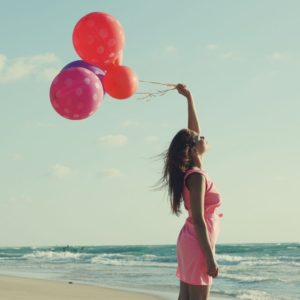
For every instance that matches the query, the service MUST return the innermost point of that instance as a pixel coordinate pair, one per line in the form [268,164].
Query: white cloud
[278,56]
[280,178]
[212,46]
[170,50]
[113,140]
[60,171]
[17,157]
[130,123]
[41,65]
[165,125]
[42,125]
[230,55]
[3,61]
[151,139]
[165,52]
[26,199]
[111,173]
[50,73]
[265,77]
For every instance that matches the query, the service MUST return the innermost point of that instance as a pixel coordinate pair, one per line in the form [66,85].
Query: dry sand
[16,288]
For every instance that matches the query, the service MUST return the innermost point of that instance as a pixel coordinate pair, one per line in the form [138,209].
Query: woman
[188,182]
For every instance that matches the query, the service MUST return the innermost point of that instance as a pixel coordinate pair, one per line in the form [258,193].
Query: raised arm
[193,123]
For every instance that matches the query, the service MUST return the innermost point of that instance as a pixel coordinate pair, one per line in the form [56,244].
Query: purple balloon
[82,64]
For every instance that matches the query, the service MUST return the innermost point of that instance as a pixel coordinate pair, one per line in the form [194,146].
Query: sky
[89,182]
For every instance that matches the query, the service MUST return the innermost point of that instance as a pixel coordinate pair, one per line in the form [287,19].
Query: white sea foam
[256,295]
[244,277]
[253,272]
[127,260]
[230,258]
[149,256]
[53,255]
[254,261]
[259,262]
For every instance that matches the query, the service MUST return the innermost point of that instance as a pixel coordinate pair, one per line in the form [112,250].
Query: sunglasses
[197,138]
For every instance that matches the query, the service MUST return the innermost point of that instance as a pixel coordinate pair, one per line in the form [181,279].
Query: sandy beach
[19,288]
[16,288]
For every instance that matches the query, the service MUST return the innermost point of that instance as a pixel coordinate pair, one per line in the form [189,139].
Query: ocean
[247,271]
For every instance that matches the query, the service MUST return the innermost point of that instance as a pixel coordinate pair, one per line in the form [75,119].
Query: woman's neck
[198,162]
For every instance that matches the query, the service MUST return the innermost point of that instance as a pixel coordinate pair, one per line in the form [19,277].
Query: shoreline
[15,287]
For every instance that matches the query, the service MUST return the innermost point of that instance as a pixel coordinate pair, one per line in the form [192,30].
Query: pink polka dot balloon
[76,93]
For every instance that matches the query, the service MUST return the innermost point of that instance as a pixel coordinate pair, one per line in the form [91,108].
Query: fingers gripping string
[148,95]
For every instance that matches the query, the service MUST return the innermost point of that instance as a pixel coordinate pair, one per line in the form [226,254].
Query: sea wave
[113,259]
[228,259]
[257,295]
[247,272]
[129,260]
[53,255]
[259,262]
[245,278]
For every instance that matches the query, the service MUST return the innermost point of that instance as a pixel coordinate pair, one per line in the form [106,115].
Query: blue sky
[88,182]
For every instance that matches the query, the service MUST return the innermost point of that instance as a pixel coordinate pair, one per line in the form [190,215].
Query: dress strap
[198,170]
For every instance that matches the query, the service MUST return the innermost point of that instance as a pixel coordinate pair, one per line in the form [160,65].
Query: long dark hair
[177,160]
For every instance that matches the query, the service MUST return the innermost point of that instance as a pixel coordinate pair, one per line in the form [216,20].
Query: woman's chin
[207,147]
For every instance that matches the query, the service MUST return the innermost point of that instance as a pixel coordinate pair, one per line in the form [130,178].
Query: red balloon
[117,62]
[119,59]
[98,38]
[120,82]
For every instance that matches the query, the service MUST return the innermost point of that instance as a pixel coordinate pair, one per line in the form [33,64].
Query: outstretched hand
[182,89]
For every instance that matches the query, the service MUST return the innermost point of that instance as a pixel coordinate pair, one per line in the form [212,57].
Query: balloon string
[148,95]
[161,83]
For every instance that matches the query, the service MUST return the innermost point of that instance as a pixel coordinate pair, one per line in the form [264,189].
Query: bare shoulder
[195,181]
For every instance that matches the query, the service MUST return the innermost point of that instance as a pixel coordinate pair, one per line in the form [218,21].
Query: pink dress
[191,260]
